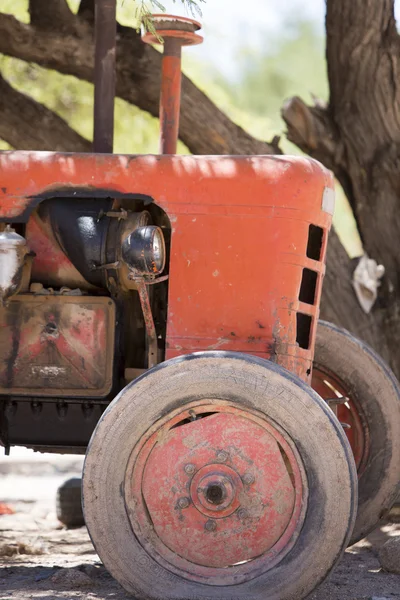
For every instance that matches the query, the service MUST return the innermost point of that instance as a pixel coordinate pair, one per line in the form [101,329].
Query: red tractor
[160,313]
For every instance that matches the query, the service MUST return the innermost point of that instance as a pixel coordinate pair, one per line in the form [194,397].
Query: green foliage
[291,63]
[18,8]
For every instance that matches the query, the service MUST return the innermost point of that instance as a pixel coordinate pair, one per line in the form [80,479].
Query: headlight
[144,250]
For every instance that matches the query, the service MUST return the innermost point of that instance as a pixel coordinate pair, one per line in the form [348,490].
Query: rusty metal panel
[57,346]
[240,232]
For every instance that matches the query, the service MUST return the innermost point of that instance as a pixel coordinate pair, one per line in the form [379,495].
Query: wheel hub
[216,491]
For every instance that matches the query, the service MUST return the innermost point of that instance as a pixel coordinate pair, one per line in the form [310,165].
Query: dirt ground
[41,560]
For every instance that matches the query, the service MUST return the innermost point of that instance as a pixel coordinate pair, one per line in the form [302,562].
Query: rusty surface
[104,75]
[213,486]
[151,333]
[240,228]
[173,32]
[328,386]
[57,345]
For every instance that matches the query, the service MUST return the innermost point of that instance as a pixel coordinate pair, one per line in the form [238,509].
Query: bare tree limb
[53,15]
[203,127]
[310,128]
[86,10]
[27,124]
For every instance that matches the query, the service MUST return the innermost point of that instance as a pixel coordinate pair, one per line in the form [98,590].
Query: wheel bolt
[189,469]
[183,502]
[210,525]
[242,513]
[248,478]
[222,456]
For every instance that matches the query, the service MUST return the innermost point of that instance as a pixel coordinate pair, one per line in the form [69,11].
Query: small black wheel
[365,395]
[218,460]
[69,503]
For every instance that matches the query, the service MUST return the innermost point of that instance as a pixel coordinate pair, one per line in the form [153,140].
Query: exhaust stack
[104,75]
[174,32]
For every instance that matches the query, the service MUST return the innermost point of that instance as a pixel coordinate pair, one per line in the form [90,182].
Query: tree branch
[311,129]
[203,127]
[53,15]
[86,10]
[27,124]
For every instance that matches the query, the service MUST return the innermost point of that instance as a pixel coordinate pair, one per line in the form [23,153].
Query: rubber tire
[251,382]
[69,503]
[376,393]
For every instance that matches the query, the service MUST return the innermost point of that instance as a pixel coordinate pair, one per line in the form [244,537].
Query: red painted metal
[173,32]
[329,386]
[57,346]
[239,233]
[222,489]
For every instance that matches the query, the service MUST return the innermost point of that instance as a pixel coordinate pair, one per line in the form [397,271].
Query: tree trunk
[356,135]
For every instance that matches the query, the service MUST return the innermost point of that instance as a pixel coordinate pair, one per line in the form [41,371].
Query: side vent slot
[308,286]
[303,330]
[314,244]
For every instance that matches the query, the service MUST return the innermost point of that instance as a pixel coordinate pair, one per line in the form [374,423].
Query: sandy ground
[55,563]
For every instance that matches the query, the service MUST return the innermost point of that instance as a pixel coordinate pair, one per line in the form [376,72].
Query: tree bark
[58,18]
[358,136]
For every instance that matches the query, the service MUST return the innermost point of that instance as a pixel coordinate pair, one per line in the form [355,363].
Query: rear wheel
[365,396]
[219,475]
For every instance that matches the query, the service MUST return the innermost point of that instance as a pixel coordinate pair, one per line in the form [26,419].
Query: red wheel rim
[329,387]
[212,486]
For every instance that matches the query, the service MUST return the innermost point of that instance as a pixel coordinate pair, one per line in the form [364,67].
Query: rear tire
[219,384]
[374,396]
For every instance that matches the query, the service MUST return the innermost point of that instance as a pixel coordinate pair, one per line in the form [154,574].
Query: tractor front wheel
[219,475]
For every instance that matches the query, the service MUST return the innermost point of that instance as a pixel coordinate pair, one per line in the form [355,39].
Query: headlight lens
[144,250]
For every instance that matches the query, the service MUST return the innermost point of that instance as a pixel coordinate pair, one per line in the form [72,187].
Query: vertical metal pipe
[170,98]
[104,75]
[175,33]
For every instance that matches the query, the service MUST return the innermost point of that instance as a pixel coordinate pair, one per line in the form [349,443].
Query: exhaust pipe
[104,75]
[173,32]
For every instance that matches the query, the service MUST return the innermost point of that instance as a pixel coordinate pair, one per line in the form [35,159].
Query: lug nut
[222,456]
[210,525]
[183,502]
[189,469]
[248,478]
[242,513]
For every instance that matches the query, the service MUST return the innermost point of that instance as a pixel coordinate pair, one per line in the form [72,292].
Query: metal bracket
[113,265]
[148,320]
[120,214]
